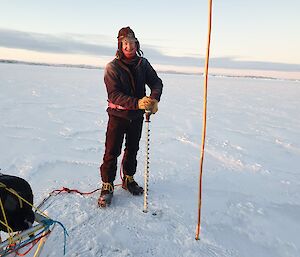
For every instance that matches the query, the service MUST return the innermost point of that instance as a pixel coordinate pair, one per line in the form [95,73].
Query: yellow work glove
[155,106]
[145,103]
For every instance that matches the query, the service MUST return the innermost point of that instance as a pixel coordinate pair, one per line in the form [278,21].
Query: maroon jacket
[125,85]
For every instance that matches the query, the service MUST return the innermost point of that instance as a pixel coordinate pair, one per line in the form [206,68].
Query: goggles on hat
[129,37]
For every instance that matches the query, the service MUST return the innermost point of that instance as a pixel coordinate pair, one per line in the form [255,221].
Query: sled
[33,237]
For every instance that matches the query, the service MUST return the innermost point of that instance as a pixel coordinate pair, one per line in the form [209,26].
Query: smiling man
[125,78]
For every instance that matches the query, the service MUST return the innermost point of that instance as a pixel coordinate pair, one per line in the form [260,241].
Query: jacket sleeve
[153,81]
[114,89]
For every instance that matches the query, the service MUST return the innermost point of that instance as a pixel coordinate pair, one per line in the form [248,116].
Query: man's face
[129,48]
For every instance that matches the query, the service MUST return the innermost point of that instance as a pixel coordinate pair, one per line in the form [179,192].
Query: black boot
[106,194]
[129,184]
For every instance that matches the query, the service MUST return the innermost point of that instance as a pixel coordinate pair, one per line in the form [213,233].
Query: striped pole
[146,173]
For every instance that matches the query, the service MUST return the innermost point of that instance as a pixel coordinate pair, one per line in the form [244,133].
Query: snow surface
[53,123]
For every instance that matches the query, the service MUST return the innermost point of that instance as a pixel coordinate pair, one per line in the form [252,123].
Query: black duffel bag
[19,214]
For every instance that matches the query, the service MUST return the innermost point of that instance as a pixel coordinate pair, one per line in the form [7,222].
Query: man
[125,78]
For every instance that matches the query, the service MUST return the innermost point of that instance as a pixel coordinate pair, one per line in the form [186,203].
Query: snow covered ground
[52,127]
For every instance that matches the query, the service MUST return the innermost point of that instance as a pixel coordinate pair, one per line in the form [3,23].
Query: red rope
[68,190]
[121,167]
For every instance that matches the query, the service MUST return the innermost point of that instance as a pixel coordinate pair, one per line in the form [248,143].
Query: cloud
[232,63]
[68,44]
[221,62]
[50,43]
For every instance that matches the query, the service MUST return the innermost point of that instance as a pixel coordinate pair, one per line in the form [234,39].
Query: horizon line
[87,66]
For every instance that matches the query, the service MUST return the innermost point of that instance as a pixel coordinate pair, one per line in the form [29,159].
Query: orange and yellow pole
[204,118]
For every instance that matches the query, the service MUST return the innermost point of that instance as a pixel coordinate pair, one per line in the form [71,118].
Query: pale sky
[246,35]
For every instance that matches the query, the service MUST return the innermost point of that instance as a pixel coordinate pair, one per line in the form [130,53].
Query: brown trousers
[117,128]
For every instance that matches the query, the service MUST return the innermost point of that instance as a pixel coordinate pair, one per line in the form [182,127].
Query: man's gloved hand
[155,106]
[146,103]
